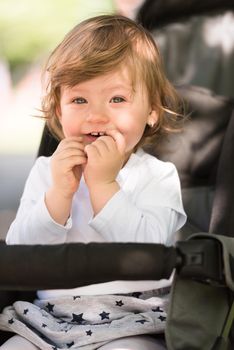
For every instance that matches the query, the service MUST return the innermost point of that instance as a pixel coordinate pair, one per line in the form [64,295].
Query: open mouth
[97,134]
[92,136]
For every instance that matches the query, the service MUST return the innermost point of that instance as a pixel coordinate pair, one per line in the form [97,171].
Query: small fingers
[92,150]
[67,153]
[64,165]
[102,145]
[113,141]
[119,139]
[71,142]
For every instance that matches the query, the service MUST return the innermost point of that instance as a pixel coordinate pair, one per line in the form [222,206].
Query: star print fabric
[86,322]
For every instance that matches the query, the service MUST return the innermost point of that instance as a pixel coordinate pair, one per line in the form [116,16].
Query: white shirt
[147,208]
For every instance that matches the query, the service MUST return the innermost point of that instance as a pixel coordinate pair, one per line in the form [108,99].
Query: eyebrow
[119,86]
[110,88]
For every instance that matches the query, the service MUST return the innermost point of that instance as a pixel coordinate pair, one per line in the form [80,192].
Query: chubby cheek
[133,134]
[69,128]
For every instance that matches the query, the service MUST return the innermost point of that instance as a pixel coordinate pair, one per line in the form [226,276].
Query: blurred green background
[29,30]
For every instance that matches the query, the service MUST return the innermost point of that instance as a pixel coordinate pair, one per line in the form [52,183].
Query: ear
[152,118]
[58,112]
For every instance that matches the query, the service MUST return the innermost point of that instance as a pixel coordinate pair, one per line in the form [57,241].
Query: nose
[97,115]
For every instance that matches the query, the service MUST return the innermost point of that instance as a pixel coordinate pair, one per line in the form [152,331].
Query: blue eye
[117,99]
[79,100]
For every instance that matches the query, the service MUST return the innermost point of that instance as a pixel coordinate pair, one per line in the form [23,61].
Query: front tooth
[98,133]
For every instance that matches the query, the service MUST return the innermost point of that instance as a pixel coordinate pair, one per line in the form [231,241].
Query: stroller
[201,310]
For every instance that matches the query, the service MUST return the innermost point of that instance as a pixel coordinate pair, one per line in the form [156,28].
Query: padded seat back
[196,152]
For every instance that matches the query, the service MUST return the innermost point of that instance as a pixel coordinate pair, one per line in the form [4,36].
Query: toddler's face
[104,103]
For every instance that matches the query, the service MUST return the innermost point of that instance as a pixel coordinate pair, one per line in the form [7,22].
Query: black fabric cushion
[156,13]
[198,203]
[222,218]
[48,143]
[47,269]
[196,150]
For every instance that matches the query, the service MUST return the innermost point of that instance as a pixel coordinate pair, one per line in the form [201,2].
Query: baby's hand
[106,157]
[66,165]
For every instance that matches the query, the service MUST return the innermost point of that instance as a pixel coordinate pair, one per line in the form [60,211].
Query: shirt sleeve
[121,221]
[151,216]
[33,223]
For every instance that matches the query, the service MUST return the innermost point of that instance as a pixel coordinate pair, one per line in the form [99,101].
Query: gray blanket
[86,322]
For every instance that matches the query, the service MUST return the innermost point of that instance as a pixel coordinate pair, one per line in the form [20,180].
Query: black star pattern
[11,321]
[119,303]
[50,307]
[162,318]
[136,294]
[78,318]
[76,297]
[25,311]
[69,345]
[158,309]
[104,315]
[141,321]
[44,325]
[89,332]
[61,321]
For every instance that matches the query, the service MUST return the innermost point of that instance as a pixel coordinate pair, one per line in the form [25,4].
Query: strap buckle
[200,259]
